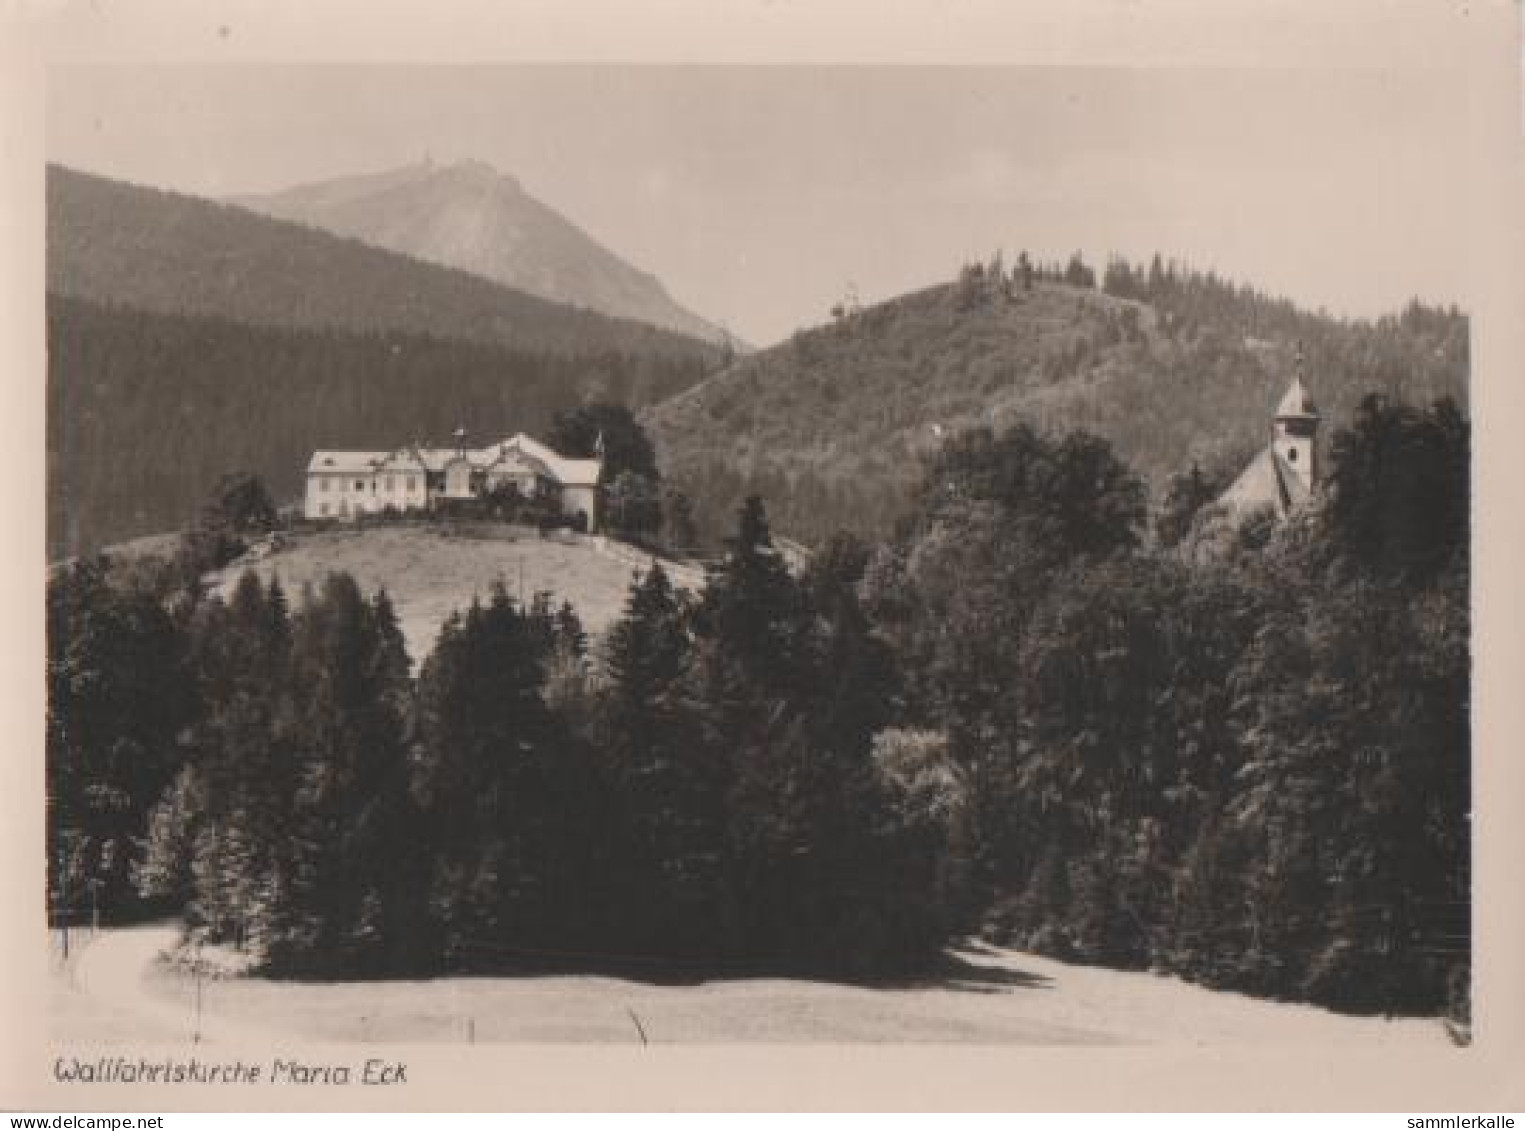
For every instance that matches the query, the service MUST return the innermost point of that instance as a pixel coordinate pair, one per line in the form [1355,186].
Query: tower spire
[1295,431]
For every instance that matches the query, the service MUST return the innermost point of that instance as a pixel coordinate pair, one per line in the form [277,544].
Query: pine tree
[1400,489]
[350,684]
[245,759]
[164,877]
[790,690]
[568,680]
[756,614]
[632,506]
[1185,496]
[625,446]
[679,530]
[499,782]
[118,701]
[670,790]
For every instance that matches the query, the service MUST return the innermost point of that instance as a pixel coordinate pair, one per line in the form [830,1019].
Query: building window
[412,483]
[323,508]
[1291,455]
[389,483]
[323,485]
[360,484]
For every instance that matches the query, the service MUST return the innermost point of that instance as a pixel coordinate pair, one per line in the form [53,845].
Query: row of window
[387,484]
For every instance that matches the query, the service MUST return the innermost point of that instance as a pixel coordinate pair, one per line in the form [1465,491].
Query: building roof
[345,463]
[1296,403]
[435,459]
[565,470]
[568,471]
[1268,481]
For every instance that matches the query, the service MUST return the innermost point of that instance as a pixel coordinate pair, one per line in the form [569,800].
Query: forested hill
[1170,365]
[146,411]
[112,242]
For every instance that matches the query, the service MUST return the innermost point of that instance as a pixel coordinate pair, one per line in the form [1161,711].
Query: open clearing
[430,571]
[121,989]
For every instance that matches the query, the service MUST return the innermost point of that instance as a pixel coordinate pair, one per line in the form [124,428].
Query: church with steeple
[1285,474]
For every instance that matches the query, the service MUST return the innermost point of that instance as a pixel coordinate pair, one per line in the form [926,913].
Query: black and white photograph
[702,553]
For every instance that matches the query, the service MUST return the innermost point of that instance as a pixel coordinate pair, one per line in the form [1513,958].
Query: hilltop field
[431,570]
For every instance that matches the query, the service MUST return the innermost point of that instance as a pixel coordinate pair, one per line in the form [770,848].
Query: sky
[760,194]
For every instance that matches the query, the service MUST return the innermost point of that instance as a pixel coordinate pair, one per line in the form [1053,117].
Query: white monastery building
[346,484]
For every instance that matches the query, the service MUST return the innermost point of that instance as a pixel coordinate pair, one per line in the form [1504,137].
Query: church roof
[1268,481]
[1296,402]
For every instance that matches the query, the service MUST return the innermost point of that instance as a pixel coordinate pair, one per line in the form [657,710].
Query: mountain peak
[473,170]
[470,216]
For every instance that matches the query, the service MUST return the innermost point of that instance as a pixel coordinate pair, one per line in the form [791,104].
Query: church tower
[1295,435]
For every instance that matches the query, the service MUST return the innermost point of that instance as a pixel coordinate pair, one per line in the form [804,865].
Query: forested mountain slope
[118,243]
[146,411]
[1169,365]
